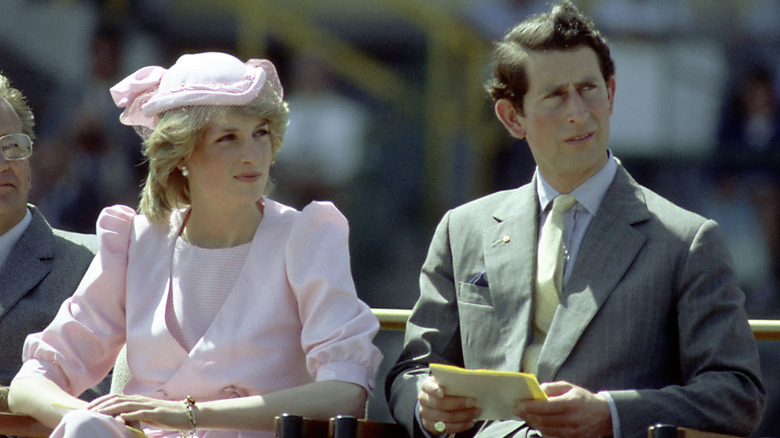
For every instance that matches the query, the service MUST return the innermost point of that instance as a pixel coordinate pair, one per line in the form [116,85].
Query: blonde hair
[174,138]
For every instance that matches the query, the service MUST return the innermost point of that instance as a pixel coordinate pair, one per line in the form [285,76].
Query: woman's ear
[510,117]
[182,166]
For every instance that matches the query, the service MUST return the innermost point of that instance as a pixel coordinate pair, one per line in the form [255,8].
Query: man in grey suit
[39,266]
[650,325]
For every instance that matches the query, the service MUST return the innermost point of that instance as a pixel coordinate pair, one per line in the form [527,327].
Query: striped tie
[549,276]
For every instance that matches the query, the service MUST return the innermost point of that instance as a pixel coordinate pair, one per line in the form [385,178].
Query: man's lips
[579,137]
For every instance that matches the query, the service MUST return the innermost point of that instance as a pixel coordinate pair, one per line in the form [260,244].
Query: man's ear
[611,93]
[510,117]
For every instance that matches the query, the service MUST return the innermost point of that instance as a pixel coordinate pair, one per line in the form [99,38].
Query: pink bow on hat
[126,93]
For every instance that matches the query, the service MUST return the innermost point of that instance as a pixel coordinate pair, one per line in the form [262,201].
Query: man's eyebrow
[591,79]
[587,80]
[553,88]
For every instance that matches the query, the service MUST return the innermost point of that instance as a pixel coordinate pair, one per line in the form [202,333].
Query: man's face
[566,115]
[14,175]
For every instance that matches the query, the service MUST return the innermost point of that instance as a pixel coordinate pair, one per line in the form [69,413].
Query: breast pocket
[473,294]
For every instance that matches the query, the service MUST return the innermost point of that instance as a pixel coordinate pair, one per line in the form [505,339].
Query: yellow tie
[549,277]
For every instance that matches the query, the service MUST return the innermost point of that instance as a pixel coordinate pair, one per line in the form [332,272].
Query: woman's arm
[318,400]
[41,399]
[79,346]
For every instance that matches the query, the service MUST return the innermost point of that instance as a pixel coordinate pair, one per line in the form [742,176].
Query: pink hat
[209,78]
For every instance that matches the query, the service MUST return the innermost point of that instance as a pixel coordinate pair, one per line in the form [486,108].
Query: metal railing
[395,319]
[766,329]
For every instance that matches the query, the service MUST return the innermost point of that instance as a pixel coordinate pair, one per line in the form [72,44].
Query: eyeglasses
[16,147]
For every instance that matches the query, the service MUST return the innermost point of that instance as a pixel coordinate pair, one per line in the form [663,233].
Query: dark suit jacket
[42,270]
[651,312]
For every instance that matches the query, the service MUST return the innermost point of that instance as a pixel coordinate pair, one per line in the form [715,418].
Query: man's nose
[577,110]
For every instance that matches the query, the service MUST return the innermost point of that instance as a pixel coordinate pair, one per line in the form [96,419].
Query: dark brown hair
[563,28]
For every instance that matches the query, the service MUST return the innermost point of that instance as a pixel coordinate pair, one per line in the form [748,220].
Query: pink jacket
[293,316]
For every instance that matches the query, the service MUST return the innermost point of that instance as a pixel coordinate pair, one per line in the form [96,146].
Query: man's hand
[457,413]
[570,411]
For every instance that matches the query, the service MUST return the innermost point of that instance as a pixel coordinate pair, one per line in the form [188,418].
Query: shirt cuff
[613,414]
[419,422]
[346,372]
[43,368]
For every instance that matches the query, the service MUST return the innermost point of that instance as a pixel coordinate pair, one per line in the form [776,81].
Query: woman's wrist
[191,411]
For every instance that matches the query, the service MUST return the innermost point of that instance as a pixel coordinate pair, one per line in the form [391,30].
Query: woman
[233,308]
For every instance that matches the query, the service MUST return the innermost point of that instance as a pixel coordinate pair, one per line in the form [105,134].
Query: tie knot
[562,203]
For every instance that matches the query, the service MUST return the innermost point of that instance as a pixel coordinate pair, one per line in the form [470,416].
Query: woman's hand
[131,409]
[320,400]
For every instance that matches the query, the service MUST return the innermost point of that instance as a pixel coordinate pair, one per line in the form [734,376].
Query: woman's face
[231,163]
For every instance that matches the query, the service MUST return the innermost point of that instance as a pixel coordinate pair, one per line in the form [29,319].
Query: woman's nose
[254,149]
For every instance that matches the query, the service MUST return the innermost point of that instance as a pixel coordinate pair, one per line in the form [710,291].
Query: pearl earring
[184,171]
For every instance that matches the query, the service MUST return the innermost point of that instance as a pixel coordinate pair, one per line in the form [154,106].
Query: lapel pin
[504,239]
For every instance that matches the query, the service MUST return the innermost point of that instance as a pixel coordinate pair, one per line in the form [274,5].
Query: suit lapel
[509,249]
[27,263]
[608,249]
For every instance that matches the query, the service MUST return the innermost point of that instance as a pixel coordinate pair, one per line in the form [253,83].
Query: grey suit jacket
[651,312]
[42,270]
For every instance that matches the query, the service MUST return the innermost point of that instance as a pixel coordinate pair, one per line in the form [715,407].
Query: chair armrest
[372,429]
[670,431]
[293,426]
[22,426]
[4,399]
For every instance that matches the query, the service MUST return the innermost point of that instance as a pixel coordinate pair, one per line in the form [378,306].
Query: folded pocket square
[479,279]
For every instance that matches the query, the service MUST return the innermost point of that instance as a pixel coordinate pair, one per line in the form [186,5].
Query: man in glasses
[39,266]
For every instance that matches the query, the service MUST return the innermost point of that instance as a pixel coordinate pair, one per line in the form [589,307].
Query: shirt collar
[589,194]
[9,239]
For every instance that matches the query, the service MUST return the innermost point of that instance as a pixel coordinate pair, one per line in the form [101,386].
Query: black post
[343,426]
[288,426]
[664,431]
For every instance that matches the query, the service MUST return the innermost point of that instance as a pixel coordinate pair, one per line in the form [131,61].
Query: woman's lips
[248,177]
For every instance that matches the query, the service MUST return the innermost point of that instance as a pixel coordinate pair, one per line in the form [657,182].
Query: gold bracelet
[189,404]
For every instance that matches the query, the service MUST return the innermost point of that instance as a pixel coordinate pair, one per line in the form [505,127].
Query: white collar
[9,239]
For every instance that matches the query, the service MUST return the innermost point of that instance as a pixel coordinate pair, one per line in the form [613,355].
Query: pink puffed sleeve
[79,347]
[338,328]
